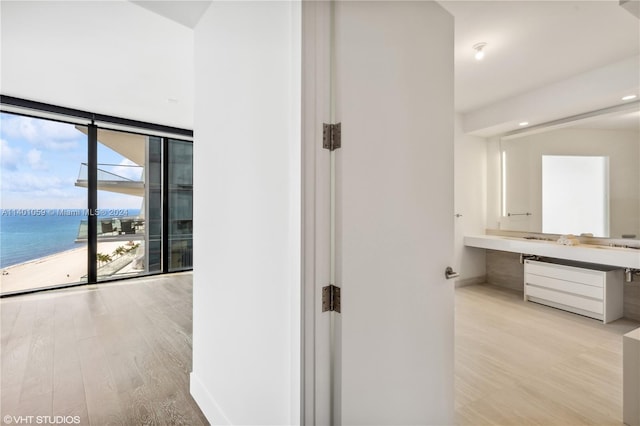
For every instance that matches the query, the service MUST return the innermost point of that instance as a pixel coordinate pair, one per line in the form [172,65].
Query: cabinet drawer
[566,286]
[567,273]
[580,302]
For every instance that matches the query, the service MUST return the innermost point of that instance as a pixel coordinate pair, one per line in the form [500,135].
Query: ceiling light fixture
[629,97]
[524,123]
[479,48]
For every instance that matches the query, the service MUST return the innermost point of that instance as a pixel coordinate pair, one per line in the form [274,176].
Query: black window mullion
[92,203]
[165,205]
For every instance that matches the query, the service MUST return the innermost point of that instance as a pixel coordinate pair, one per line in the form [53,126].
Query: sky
[40,162]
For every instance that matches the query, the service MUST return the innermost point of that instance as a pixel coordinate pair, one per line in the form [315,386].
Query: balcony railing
[114,228]
[123,179]
[114,173]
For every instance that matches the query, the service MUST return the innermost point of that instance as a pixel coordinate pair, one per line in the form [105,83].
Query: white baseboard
[471,281]
[206,402]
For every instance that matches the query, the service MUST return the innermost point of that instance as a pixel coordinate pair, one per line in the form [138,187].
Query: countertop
[588,253]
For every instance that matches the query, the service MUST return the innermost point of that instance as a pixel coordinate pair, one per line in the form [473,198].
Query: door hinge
[331,136]
[331,298]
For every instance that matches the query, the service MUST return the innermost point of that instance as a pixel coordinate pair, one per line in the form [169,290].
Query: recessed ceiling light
[523,123]
[629,97]
[479,48]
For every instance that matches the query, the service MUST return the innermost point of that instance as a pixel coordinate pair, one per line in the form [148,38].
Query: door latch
[450,273]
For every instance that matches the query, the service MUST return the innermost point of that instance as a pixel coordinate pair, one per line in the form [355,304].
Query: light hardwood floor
[119,353]
[519,363]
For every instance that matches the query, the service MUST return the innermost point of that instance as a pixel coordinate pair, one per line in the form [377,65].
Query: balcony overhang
[118,186]
[129,145]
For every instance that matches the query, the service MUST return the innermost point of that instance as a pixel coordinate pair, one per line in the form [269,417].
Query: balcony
[122,179]
[114,229]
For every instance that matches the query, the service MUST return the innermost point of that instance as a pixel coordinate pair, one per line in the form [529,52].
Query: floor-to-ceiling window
[72,214]
[41,209]
[180,204]
[129,190]
[153,207]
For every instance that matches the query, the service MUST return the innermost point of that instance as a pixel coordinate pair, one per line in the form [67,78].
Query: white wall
[246,300]
[524,156]
[470,188]
[109,57]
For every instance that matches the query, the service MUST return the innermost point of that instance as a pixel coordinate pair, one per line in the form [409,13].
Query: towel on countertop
[568,240]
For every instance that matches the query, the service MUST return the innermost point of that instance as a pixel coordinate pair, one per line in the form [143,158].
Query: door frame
[316,384]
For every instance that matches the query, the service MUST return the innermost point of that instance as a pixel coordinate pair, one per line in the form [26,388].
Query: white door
[393,88]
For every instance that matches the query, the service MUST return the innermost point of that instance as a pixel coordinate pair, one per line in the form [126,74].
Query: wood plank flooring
[120,354]
[116,353]
[519,363]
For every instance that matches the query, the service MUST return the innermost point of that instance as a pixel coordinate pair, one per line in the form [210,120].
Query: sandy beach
[66,267]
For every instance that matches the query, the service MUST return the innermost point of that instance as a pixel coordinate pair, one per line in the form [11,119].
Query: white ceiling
[531,44]
[110,57]
[629,121]
[185,12]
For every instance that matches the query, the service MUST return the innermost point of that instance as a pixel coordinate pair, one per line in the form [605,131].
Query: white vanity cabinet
[594,291]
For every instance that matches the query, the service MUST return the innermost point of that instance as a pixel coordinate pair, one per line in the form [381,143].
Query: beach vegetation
[119,251]
[133,248]
[103,258]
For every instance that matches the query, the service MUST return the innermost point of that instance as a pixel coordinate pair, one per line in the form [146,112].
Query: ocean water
[29,235]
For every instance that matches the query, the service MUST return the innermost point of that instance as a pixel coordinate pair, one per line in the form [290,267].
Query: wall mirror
[579,175]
